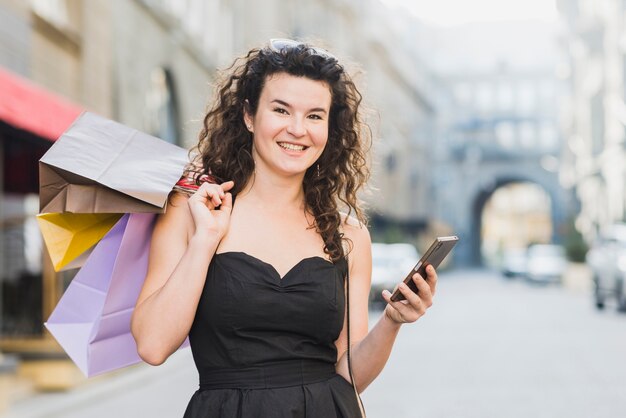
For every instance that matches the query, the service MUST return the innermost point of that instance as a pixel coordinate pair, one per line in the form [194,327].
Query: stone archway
[523,224]
[475,190]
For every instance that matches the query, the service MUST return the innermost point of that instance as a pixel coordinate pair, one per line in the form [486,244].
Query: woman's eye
[280,110]
[316,117]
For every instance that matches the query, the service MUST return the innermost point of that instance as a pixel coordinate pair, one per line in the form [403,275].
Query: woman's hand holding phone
[415,293]
[413,305]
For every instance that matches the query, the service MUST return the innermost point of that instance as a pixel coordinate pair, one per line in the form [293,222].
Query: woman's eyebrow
[283,103]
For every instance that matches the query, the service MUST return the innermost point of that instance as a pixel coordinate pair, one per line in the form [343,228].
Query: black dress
[264,345]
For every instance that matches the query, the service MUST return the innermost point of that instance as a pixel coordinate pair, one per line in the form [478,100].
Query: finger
[216,196]
[432,278]
[221,192]
[227,203]
[402,306]
[387,297]
[204,194]
[411,297]
[414,305]
[197,204]
[201,194]
[212,192]
[423,290]
[206,188]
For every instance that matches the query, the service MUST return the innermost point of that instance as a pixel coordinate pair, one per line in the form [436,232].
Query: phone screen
[435,254]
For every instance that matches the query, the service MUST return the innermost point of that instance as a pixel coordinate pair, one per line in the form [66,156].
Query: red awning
[32,108]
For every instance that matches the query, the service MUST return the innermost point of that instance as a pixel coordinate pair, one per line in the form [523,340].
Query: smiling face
[290,125]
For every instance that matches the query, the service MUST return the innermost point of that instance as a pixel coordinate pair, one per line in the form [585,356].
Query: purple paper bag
[92,319]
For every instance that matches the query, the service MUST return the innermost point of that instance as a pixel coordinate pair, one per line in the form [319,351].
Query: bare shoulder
[357,233]
[177,217]
[355,230]
[177,200]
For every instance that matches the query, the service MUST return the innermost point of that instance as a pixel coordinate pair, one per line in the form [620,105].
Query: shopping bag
[69,235]
[92,320]
[101,166]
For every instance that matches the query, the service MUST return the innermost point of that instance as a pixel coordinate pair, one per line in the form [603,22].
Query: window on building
[484,96]
[161,112]
[54,11]
[205,21]
[505,134]
[548,137]
[526,97]
[505,96]
[547,92]
[527,134]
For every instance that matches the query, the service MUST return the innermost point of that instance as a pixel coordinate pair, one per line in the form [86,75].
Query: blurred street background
[501,122]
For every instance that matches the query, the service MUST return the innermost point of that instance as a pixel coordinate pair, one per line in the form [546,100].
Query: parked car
[607,260]
[390,265]
[514,262]
[546,263]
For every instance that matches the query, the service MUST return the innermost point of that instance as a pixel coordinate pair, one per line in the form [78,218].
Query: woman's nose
[296,127]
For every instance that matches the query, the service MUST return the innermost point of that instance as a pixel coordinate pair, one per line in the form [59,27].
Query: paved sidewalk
[124,391]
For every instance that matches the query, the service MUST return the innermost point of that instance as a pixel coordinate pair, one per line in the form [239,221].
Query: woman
[260,285]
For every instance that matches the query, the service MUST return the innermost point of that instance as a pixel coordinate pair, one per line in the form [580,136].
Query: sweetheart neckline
[271,266]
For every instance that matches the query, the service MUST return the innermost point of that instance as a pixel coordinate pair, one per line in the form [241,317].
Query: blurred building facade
[135,62]
[149,64]
[498,121]
[595,156]
[502,130]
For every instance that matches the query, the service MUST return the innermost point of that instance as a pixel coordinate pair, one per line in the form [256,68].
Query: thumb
[227,185]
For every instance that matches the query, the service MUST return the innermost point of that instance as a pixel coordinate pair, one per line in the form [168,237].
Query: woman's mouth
[291,147]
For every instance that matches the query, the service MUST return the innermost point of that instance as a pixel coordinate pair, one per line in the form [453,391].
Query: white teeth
[292,147]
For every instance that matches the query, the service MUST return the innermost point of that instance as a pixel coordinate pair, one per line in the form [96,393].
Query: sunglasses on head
[283,44]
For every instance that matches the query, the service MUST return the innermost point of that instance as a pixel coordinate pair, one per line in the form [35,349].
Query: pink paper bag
[92,319]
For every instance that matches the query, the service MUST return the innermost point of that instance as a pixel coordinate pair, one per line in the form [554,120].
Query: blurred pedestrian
[255,265]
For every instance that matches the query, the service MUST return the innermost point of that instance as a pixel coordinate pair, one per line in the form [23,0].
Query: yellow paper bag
[68,235]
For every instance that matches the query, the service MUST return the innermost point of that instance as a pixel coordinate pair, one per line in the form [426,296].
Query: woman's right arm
[183,243]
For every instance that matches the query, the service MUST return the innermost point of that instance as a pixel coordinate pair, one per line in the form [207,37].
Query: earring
[249,127]
[318,170]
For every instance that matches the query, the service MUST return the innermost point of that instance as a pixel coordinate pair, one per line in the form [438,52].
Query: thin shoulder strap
[356,392]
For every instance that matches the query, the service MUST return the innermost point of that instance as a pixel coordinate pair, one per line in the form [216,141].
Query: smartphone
[435,254]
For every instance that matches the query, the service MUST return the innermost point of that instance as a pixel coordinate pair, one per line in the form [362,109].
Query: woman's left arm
[371,350]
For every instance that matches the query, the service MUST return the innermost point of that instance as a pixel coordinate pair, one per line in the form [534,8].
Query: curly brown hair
[224,150]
